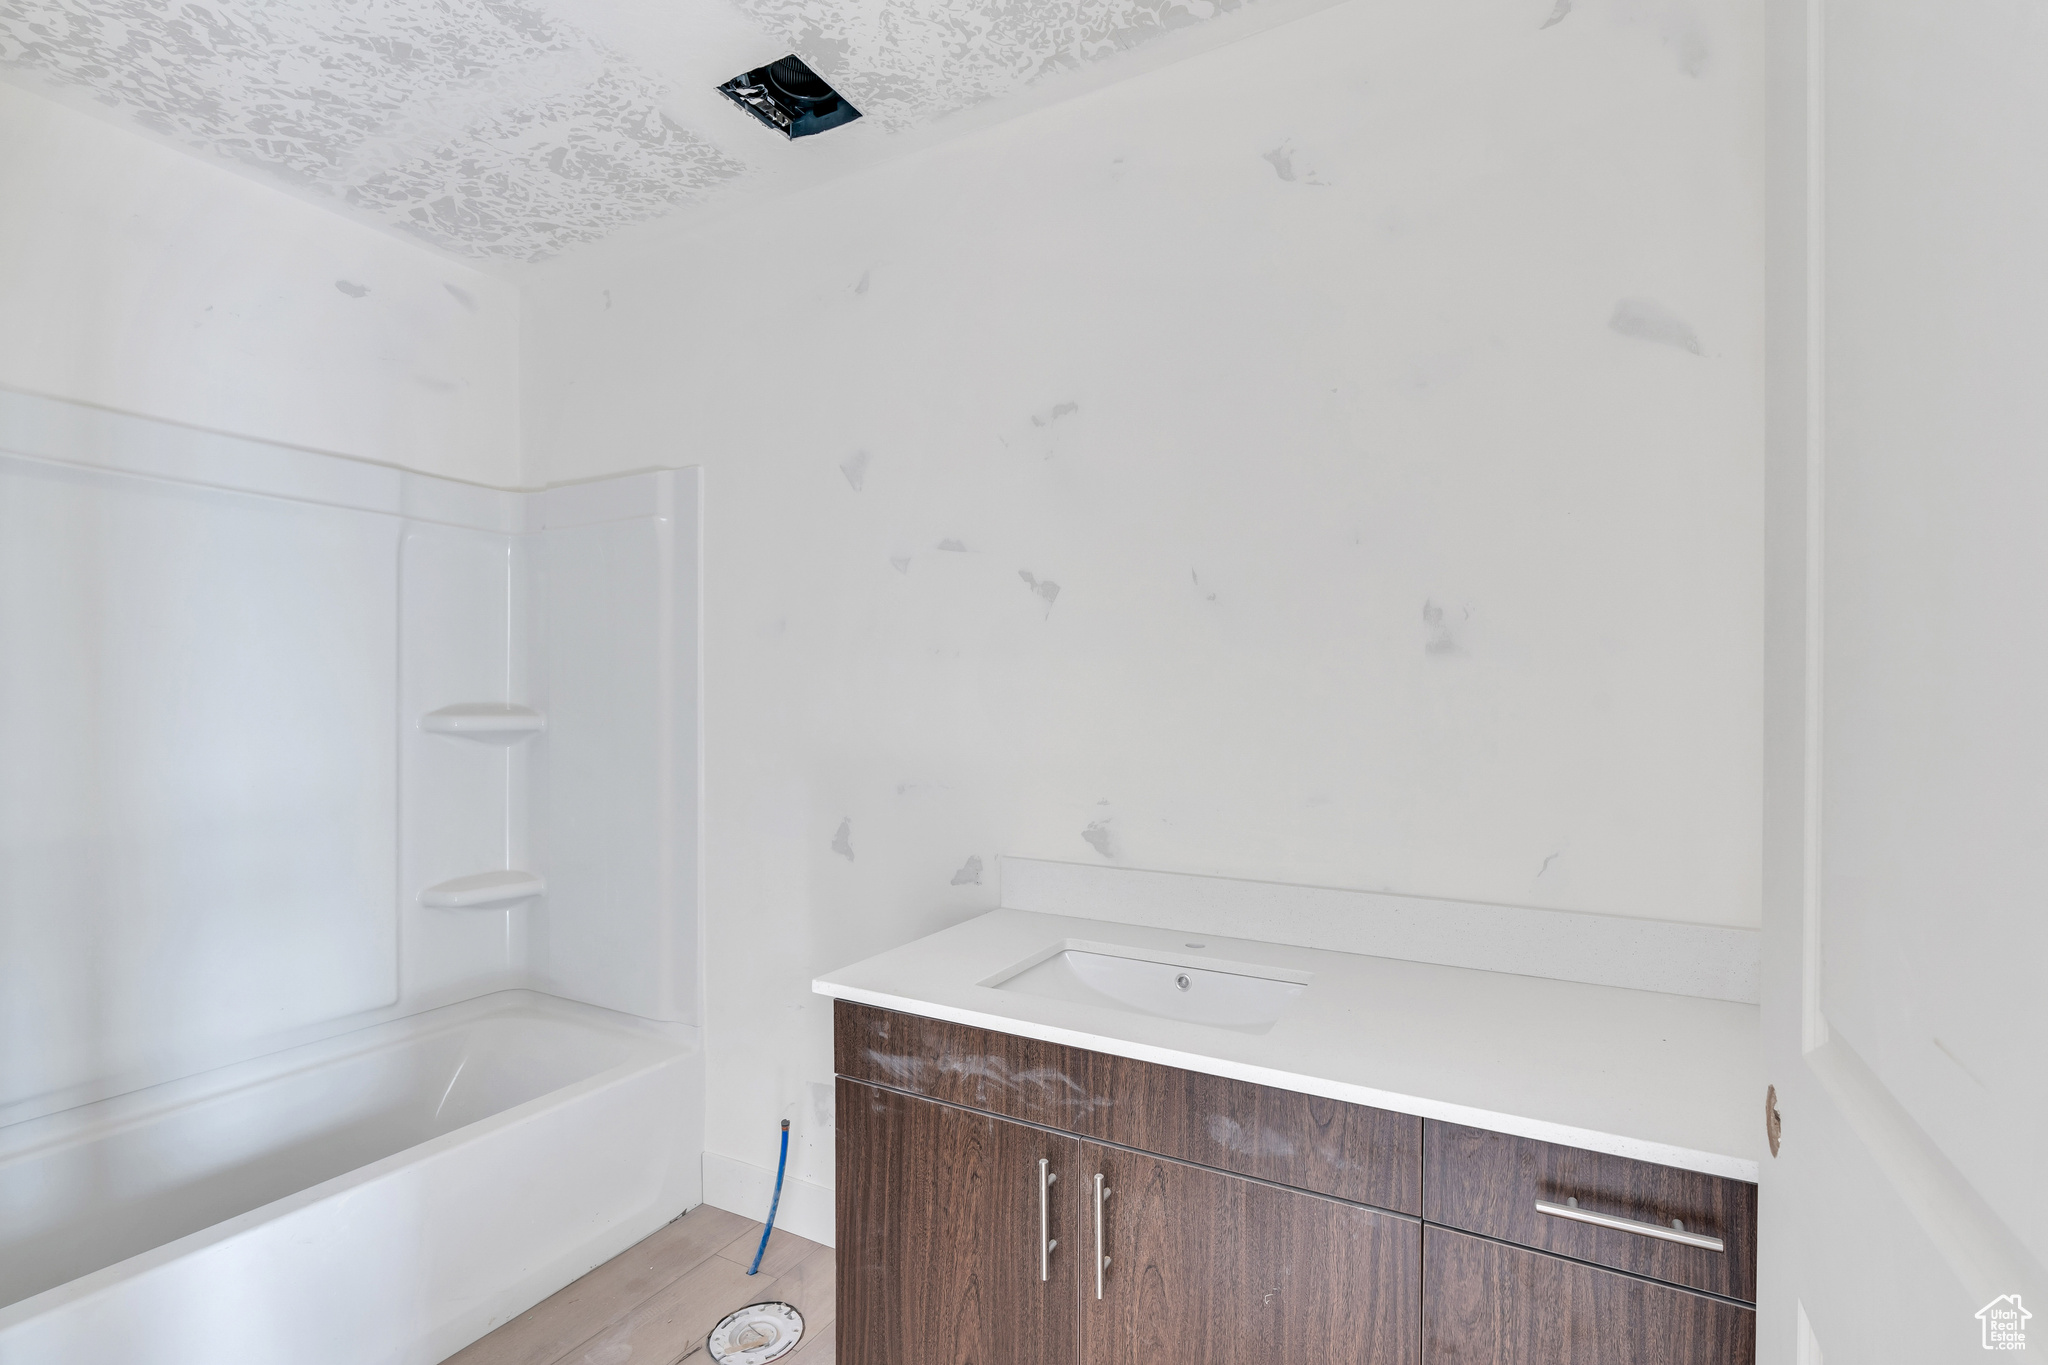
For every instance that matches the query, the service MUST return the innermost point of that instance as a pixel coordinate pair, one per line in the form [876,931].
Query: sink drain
[757,1334]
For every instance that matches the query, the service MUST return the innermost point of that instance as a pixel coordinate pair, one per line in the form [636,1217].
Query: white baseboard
[1714,961]
[743,1188]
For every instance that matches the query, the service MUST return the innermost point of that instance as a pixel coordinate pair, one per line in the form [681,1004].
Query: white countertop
[1666,1078]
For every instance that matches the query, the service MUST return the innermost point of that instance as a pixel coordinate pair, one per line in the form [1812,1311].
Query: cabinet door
[939,1218]
[1489,1304]
[1211,1269]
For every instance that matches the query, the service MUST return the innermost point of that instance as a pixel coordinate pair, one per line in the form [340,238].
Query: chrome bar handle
[1675,1233]
[1101,1261]
[1045,1239]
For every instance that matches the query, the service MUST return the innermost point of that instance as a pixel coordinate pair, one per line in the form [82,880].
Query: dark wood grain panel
[1019,1078]
[1350,1151]
[1372,1156]
[1489,1183]
[1210,1269]
[1489,1304]
[938,1235]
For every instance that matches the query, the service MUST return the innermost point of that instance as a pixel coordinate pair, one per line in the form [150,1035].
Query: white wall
[148,280]
[1381,393]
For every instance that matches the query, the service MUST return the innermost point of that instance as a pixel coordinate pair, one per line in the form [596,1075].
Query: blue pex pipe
[781,1164]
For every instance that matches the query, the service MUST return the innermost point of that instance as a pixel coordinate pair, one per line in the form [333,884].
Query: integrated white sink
[1193,989]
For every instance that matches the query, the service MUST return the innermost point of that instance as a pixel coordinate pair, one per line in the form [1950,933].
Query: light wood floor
[654,1303]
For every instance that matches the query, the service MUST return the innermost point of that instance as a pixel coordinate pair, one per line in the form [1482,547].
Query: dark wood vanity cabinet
[1349,1151]
[1003,1201]
[1498,1185]
[966,1239]
[1485,1303]
[1216,1269]
[939,1234]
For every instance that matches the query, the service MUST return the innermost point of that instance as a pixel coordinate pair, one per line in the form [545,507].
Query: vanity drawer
[1492,1183]
[1368,1156]
[976,1068]
[1488,1304]
[1348,1151]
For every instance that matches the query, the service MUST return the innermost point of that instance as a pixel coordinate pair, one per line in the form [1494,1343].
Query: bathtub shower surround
[293,745]
[386,1195]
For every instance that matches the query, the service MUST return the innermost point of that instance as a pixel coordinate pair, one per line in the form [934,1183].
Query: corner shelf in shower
[494,722]
[483,890]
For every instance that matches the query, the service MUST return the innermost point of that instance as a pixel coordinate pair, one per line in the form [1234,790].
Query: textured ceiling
[501,129]
[483,125]
[904,62]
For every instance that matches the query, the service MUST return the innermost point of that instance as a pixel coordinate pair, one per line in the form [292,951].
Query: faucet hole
[1183,982]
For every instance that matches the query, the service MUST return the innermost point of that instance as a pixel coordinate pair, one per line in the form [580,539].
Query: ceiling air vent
[790,98]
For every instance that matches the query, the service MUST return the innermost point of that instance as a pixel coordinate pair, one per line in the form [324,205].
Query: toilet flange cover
[756,1334]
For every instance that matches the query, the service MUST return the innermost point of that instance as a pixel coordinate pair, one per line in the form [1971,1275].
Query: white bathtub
[388,1195]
